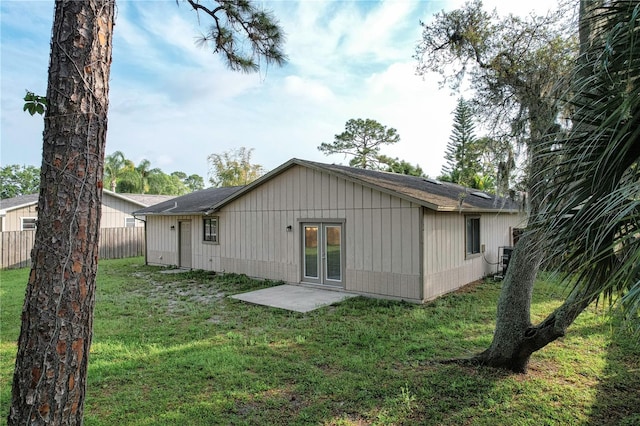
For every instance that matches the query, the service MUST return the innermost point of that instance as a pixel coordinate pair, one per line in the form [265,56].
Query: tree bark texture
[510,348]
[50,373]
[513,318]
[513,345]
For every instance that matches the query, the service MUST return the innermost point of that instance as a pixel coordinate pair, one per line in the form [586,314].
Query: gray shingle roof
[148,199]
[197,202]
[430,193]
[19,201]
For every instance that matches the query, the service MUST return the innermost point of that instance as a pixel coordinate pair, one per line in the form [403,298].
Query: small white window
[28,223]
[129,222]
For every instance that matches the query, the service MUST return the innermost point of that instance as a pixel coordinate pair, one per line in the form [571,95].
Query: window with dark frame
[210,229]
[473,235]
[28,223]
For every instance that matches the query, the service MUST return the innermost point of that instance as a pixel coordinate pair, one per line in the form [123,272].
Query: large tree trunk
[515,339]
[514,306]
[49,380]
[510,348]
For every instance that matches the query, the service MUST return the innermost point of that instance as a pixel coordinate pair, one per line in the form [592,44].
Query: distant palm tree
[114,168]
[144,172]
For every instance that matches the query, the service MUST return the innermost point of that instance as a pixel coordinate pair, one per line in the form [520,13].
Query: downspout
[421,253]
[146,261]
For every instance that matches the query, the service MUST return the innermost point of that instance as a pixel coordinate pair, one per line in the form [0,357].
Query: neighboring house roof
[198,202]
[430,193]
[142,200]
[9,204]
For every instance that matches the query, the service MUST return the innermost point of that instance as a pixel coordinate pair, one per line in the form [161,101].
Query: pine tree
[461,154]
[50,375]
[361,140]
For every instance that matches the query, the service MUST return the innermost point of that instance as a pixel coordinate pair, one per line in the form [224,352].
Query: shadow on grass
[346,364]
[617,400]
[361,362]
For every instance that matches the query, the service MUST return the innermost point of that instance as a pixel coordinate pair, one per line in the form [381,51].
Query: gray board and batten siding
[379,234]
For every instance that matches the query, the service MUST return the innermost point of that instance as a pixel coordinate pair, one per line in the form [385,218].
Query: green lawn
[173,350]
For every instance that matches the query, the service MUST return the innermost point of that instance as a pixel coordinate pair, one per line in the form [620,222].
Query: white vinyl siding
[116,212]
[12,221]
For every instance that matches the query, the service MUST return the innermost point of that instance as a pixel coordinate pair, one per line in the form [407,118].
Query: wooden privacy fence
[115,243]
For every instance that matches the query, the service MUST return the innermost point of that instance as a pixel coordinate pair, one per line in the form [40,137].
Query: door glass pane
[311,252]
[333,254]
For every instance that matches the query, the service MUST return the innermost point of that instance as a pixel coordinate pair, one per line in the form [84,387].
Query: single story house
[20,213]
[369,232]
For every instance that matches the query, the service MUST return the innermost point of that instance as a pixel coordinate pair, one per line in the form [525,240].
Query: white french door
[322,253]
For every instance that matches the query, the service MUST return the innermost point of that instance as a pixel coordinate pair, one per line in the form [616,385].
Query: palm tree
[593,219]
[144,172]
[588,187]
[114,167]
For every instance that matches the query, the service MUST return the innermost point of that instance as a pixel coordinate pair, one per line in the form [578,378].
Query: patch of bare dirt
[178,293]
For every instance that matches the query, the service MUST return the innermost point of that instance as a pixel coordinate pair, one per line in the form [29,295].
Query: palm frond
[591,219]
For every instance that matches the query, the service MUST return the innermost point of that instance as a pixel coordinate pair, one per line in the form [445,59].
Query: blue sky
[174,103]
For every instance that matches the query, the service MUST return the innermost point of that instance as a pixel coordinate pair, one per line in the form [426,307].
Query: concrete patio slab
[294,298]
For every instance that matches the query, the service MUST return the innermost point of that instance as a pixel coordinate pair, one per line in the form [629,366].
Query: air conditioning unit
[504,257]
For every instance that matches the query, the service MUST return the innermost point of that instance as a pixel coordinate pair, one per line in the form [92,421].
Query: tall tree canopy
[122,175]
[50,373]
[498,161]
[462,154]
[116,166]
[194,182]
[233,168]
[18,180]
[509,62]
[396,165]
[362,140]
[484,163]
[593,217]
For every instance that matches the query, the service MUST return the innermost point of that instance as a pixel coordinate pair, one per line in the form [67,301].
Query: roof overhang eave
[198,213]
[476,210]
[124,198]
[21,206]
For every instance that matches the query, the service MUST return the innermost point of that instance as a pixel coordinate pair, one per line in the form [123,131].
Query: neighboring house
[20,213]
[374,233]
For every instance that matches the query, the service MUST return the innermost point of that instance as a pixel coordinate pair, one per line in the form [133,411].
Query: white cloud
[415,107]
[307,88]
[174,103]
[376,34]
